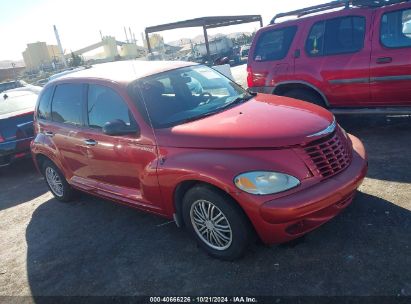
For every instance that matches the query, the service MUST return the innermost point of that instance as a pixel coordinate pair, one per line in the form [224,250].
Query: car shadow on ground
[95,247]
[14,189]
[388,144]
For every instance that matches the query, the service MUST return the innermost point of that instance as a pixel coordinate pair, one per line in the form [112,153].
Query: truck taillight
[250,82]
[256,79]
[1,139]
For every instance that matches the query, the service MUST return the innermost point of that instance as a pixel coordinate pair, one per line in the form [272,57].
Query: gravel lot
[96,247]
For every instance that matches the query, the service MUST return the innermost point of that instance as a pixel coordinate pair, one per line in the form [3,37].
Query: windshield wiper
[238,100]
[194,118]
[251,92]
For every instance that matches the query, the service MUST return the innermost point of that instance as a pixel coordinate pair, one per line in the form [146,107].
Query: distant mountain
[5,64]
[200,38]
[238,34]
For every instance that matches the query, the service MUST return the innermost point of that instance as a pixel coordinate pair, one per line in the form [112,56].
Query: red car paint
[374,76]
[147,170]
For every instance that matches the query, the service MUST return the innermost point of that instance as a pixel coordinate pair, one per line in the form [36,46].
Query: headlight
[262,182]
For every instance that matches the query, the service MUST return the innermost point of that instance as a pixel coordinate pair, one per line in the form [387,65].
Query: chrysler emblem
[327,130]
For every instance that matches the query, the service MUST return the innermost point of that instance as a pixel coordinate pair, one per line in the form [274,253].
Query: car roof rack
[336,4]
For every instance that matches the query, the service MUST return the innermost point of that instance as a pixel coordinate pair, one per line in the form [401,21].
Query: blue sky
[79,21]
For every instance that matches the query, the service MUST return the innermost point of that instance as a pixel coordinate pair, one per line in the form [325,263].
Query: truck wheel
[57,182]
[217,223]
[306,95]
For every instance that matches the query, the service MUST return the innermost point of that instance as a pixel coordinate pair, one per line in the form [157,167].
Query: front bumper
[13,150]
[292,216]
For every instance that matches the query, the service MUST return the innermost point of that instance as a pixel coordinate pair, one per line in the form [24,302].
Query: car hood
[265,121]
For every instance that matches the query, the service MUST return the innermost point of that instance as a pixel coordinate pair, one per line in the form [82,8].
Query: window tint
[336,36]
[105,105]
[274,45]
[43,112]
[396,29]
[67,104]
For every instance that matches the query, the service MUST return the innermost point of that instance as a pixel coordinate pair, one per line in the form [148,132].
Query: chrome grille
[329,155]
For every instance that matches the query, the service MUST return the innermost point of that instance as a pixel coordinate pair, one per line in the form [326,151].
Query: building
[40,56]
[12,73]
[54,53]
[156,42]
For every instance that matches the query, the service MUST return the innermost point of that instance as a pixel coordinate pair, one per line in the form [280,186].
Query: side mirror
[119,127]
[5,96]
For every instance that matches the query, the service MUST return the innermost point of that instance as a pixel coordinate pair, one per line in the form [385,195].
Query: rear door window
[396,29]
[274,44]
[336,36]
[67,104]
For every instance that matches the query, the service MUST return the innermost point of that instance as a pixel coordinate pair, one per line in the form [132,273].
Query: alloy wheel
[211,225]
[54,181]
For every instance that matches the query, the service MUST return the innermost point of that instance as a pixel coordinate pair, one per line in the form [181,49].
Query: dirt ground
[96,247]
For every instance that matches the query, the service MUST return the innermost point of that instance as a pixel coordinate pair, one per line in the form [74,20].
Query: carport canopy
[204,22]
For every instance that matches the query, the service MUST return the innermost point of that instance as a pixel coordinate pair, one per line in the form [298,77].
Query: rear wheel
[57,182]
[217,223]
[306,95]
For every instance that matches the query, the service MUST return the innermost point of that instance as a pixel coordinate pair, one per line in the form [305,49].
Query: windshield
[17,101]
[182,95]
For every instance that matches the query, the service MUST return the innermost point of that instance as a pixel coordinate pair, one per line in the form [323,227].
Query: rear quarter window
[43,111]
[274,44]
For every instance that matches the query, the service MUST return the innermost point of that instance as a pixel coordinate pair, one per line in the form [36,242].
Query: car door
[272,60]
[124,166]
[64,131]
[337,57]
[391,57]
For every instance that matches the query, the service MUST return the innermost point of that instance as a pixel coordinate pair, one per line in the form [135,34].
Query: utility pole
[125,32]
[63,59]
[14,71]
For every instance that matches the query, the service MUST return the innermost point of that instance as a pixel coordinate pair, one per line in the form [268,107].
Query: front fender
[220,167]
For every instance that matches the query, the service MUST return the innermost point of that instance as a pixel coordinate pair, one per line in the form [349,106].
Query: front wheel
[217,223]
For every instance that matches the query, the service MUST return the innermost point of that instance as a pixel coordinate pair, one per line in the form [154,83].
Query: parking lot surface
[96,247]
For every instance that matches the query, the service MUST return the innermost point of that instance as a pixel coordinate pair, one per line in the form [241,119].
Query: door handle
[382,60]
[90,142]
[49,133]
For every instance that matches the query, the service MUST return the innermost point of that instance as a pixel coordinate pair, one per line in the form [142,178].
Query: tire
[229,239]
[56,182]
[306,95]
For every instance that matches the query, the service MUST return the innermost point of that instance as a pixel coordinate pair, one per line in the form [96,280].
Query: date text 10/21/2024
[237,299]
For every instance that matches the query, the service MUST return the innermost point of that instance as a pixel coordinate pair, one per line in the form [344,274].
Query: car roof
[124,71]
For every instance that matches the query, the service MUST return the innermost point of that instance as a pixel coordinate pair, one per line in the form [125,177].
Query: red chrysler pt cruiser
[182,141]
